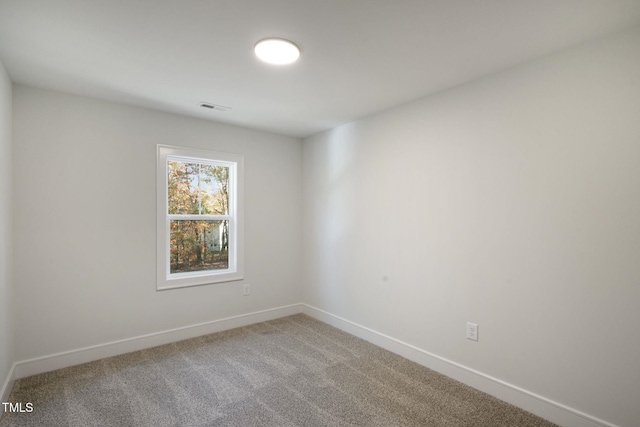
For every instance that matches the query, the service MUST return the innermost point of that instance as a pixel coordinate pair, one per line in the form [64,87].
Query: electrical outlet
[472,331]
[246,289]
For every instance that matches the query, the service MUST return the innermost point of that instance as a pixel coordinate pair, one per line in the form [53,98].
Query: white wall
[84,198]
[6,333]
[512,202]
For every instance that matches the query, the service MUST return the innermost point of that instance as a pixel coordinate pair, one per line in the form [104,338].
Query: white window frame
[235,270]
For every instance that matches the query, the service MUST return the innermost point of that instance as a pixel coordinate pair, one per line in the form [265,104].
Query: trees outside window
[199,198]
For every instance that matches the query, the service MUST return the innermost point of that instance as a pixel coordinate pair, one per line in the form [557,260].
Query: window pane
[182,187]
[214,189]
[196,189]
[198,245]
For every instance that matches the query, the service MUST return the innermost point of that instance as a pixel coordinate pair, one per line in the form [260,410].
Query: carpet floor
[294,371]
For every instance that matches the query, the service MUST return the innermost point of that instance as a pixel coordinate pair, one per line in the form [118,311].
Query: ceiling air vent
[214,107]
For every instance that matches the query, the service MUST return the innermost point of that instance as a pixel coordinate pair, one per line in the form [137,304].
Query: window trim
[164,279]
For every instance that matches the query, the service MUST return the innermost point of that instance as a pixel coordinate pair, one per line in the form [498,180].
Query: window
[199,221]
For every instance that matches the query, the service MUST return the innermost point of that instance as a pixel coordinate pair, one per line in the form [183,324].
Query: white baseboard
[6,386]
[536,404]
[51,362]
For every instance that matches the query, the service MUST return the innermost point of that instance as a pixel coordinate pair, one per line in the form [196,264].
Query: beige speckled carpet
[294,371]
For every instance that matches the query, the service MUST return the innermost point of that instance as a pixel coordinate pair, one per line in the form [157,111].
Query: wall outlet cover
[472,331]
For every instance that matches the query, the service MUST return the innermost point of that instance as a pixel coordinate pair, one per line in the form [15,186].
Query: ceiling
[358,57]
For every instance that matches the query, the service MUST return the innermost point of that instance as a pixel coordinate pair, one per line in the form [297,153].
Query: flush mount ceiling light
[277,51]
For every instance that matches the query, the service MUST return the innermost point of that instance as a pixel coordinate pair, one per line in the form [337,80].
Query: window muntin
[199,226]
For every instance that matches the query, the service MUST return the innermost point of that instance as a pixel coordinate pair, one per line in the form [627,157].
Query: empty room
[320,213]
